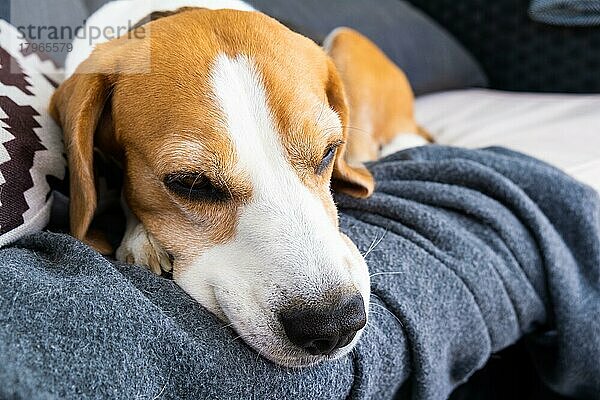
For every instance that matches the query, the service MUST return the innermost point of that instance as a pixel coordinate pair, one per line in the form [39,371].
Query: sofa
[481,72]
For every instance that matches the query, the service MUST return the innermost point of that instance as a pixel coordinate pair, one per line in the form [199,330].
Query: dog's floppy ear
[78,106]
[354,180]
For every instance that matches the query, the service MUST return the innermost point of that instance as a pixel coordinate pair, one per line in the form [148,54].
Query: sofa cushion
[30,141]
[431,58]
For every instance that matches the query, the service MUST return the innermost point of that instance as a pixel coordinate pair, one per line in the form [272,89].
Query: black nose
[320,331]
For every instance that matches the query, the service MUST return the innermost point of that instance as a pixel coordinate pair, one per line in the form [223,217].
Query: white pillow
[31,146]
[561,129]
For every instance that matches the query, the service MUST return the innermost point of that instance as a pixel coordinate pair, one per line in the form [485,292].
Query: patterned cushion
[31,149]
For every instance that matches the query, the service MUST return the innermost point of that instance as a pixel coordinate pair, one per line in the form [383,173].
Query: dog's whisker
[386,273]
[223,183]
[322,108]
[368,250]
[374,313]
[258,354]
[226,326]
[374,244]
[348,127]
[353,128]
[161,391]
[391,313]
[374,295]
[192,186]
[235,338]
[243,337]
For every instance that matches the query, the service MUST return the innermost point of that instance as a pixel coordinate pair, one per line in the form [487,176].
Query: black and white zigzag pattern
[30,142]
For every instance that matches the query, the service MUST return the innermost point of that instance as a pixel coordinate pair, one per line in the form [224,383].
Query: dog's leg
[139,247]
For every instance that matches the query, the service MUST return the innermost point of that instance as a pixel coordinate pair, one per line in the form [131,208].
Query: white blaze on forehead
[282,210]
[240,92]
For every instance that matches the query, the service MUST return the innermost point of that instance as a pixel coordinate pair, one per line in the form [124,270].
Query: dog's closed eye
[328,157]
[195,187]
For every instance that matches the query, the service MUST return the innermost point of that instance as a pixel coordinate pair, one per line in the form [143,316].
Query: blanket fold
[469,251]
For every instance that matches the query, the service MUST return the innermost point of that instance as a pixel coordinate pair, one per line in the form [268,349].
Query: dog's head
[230,145]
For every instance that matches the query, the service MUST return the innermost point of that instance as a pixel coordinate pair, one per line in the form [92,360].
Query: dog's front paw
[139,247]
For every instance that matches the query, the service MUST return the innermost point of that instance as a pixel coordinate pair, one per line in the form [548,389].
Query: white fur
[286,248]
[403,141]
[140,247]
[124,13]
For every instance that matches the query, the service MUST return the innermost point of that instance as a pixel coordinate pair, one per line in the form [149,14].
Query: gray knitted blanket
[469,251]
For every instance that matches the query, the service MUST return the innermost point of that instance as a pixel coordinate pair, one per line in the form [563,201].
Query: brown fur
[164,121]
[380,99]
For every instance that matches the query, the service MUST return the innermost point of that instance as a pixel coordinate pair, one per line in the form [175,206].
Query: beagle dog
[231,131]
